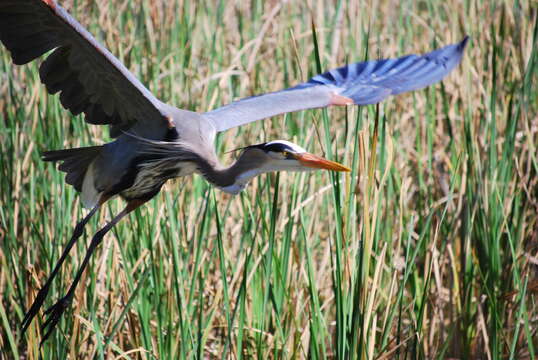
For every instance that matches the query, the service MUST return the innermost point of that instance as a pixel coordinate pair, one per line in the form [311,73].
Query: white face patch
[295,148]
[278,162]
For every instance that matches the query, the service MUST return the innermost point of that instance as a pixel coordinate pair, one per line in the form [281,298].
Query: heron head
[277,155]
[282,155]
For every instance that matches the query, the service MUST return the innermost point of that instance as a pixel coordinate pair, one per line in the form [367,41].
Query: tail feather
[75,162]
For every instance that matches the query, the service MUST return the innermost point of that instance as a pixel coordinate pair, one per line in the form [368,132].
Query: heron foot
[54,313]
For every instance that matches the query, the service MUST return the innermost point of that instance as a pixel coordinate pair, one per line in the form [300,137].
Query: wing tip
[463,44]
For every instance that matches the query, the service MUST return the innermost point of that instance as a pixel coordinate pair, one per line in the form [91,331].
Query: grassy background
[429,249]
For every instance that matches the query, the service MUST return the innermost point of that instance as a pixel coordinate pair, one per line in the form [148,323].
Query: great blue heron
[154,141]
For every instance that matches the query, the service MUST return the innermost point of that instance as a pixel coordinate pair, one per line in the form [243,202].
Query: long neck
[231,179]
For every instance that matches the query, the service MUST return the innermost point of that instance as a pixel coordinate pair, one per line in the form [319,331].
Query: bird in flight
[154,141]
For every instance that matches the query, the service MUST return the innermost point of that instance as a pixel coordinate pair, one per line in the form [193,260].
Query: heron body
[154,141]
[134,167]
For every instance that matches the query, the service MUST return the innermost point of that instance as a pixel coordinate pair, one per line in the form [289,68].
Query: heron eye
[287,155]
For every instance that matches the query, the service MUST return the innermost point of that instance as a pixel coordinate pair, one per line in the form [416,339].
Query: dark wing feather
[362,83]
[88,77]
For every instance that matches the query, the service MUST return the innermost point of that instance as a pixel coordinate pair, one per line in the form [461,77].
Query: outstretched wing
[88,77]
[362,83]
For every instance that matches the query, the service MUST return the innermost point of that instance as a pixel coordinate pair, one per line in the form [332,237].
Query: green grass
[428,249]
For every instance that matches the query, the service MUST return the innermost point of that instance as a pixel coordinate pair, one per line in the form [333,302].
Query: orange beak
[314,161]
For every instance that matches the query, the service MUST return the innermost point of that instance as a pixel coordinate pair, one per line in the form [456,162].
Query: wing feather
[88,77]
[361,83]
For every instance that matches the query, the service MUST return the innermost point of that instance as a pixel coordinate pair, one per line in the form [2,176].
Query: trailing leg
[55,312]
[43,292]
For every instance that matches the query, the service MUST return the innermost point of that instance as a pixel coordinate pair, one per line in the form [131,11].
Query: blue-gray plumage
[154,141]
[361,83]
